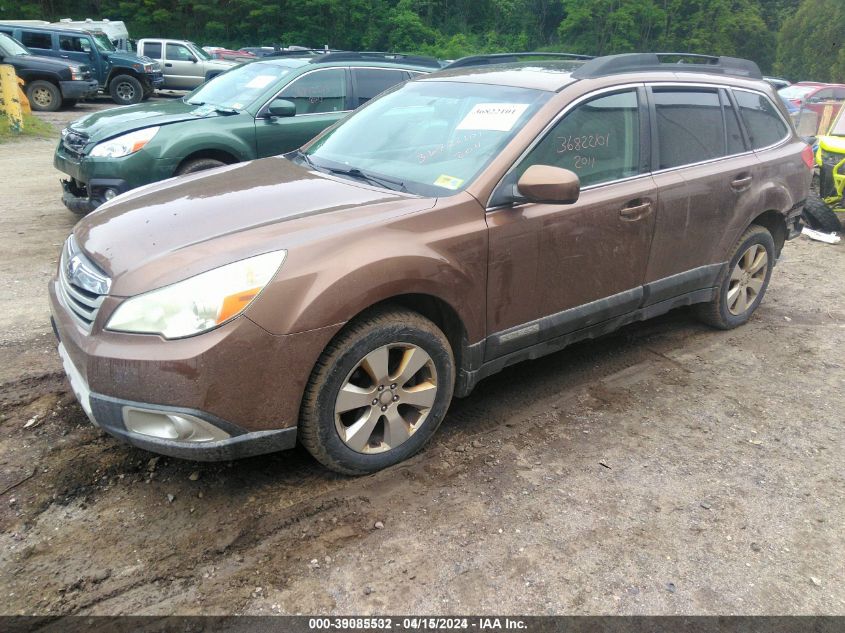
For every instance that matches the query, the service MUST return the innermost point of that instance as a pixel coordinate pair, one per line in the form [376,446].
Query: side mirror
[553,185]
[281,108]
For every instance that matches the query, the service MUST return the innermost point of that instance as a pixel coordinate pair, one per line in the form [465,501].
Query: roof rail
[304,52]
[363,56]
[640,62]
[505,58]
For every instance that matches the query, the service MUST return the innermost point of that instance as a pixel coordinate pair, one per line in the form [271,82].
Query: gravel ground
[665,469]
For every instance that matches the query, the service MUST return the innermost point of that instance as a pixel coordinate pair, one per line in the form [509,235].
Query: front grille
[82,286]
[74,142]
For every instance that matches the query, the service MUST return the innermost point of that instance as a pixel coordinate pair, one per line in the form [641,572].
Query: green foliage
[809,42]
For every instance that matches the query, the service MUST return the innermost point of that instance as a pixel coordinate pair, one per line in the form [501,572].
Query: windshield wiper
[306,159]
[219,109]
[381,181]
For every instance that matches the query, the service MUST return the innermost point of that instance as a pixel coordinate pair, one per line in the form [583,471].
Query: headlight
[199,303]
[148,68]
[126,144]
[76,74]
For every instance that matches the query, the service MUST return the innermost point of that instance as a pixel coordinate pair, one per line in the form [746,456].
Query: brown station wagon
[341,295]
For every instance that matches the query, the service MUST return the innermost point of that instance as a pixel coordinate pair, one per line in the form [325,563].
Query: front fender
[233,135]
[440,252]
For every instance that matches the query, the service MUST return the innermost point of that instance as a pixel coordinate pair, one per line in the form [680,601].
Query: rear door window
[370,82]
[152,49]
[33,39]
[599,140]
[318,92]
[764,125]
[690,126]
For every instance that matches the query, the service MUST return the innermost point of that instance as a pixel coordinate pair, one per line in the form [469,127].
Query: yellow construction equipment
[10,102]
[25,107]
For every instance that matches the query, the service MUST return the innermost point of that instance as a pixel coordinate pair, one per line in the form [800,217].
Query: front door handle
[635,210]
[169,65]
[741,183]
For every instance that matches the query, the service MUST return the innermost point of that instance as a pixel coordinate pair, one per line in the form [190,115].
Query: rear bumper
[79,89]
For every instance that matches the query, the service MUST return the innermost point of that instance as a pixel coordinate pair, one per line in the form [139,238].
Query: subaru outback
[261,108]
[341,295]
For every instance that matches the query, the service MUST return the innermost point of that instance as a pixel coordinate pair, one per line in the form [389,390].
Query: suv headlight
[126,144]
[198,303]
[76,73]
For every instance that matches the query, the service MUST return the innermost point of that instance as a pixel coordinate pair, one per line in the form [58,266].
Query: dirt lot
[667,469]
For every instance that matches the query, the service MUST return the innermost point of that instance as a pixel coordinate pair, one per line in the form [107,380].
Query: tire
[819,216]
[43,96]
[198,164]
[739,293]
[383,339]
[126,90]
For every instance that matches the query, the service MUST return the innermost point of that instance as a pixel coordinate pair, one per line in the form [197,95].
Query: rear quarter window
[761,118]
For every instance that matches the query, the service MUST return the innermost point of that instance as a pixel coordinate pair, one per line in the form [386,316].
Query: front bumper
[156,79]
[90,176]
[111,415]
[238,379]
[82,199]
[79,89]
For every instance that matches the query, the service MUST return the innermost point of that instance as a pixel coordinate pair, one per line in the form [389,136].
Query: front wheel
[743,284]
[378,392]
[44,96]
[126,90]
[198,164]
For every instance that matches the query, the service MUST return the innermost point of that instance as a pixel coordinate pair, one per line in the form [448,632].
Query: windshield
[11,47]
[199,52]
[796,92]
[103,43]
[240,86]
[433,138]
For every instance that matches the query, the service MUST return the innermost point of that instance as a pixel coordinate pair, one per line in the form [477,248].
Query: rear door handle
[741,183]
[635,210]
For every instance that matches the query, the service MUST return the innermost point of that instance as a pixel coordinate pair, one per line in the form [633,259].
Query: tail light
[809,157]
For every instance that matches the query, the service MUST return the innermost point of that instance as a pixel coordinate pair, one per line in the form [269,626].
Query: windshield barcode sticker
[500,117]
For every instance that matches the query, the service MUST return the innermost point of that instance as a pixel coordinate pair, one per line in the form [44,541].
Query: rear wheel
[378,392]
[819,216]
[744,282]
[126,90]
[198,164]
[44,96]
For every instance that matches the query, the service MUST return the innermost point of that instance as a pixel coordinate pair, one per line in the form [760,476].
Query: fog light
[108,194]
[164,425]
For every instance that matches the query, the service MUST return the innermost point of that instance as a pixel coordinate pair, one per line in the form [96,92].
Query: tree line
[799,39]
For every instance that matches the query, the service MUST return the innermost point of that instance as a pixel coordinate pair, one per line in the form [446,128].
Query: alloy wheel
[125,91]
[42,97]
[747,279]
[386,398]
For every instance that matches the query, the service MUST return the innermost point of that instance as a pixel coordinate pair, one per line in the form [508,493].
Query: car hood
[46,63]
[131,58]
[171,230]
[105,124]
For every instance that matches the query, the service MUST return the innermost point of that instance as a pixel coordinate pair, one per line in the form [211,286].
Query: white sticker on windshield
[493,116]
[261,81]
